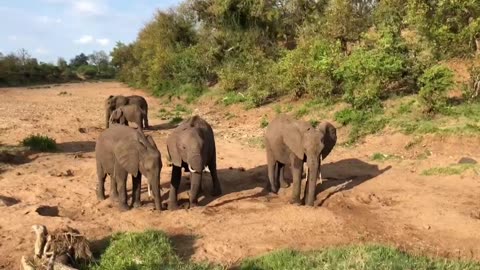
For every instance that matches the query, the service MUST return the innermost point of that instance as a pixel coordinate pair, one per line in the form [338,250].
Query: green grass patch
[143,251]
[314,122]
[264,122]
[455,169]
[352,257]
[362,122]
[256,142]
[233,98]
[176,120]
[384,157]
[40,143]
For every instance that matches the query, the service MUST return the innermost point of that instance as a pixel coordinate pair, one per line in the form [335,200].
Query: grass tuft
[351,257]
[143,251]
[454,169]
[384,157]
[40,143]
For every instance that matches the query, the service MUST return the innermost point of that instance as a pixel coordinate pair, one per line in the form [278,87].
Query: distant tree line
[21,69]
[357,51]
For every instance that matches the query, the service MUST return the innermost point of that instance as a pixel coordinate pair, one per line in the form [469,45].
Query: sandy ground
[360,201]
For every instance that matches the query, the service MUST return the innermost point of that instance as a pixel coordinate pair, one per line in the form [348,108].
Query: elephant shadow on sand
[343,175]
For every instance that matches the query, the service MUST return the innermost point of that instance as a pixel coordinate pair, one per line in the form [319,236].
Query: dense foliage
[21,69]
[359,51]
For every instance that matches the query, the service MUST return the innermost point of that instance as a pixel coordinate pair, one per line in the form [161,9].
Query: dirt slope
[360,201]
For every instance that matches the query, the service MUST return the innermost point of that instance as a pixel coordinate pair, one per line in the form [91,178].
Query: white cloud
[48,20]
[87,7]
[103,41]
[41,51]
[85,39]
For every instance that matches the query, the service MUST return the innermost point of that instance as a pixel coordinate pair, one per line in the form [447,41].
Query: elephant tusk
[190,169]
[320,170]
[149,191]
[206,169]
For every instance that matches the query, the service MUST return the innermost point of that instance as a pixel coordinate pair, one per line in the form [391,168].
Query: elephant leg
[280,176]
[121,179]
[217,189]
[174,185]
[145,118]
[297,170]
[195,181]
[101,176]
[136,190]
[271,171]
[113,188]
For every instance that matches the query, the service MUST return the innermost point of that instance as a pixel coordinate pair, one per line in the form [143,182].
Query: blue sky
[49,29]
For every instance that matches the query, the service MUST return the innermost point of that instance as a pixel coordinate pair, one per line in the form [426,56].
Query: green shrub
[40,143]
[233,98]
[264,122]
[142,251]
[362,122]
[87,71]
[471,91]
[309,69]
[434,85]
[351,257]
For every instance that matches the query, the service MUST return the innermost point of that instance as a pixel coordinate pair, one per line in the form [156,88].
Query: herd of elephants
[122,150]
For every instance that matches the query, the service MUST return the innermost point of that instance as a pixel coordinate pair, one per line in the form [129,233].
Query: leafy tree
[100,59]
[79,60]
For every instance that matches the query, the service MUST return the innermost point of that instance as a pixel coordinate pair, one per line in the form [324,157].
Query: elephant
[293,142]
[121,150]
[192,146]
[114,102]
[128,113]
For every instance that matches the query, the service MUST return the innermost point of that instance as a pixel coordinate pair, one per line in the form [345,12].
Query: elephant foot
[123,207]
[137,204]
[100,197]
[216,192]
[295,201]
[284,185]
[193,205]
[114,197]
[172,206]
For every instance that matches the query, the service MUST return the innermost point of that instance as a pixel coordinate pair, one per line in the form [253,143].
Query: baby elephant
[128,113]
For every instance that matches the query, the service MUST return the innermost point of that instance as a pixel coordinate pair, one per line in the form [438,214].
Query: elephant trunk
[312,175]
[155,185]
[195,163]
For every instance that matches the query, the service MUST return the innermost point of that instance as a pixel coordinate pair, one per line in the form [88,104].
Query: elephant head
[311,145]
[186,145]
[118,116]
[112,103]
[142,156]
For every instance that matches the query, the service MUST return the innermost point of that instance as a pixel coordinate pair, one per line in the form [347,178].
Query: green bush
[434,85]
[87,71]
[40,143]
[351,257]
[142,251]
[362,122]
[471,91]
[309,69]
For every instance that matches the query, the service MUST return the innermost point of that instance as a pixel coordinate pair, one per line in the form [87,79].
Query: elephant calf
[121,150]
[128,113]
[192,146]
[114,102]
[293,142]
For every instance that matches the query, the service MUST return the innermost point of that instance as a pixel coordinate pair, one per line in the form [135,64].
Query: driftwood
[54,251]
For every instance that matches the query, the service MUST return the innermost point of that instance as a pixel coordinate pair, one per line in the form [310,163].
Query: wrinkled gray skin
[293,142]
[122,150]
[128,113]
[192,146]
[114,102]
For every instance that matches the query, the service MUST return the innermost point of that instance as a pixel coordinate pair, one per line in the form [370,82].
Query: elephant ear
[293,138]
[172,149]
[126,153]
[329,139]
[151,141]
